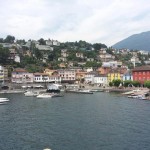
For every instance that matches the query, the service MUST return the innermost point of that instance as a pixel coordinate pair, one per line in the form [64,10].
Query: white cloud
[100,21]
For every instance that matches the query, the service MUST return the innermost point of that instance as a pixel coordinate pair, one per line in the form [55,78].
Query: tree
[147,84]
[110,84]
[9,39]
[136,83]
[98,46]
[127,83]
[116,82]
[93,64]
[1,40]
[42,41]
[4,54]
[109,51]
[21,42]
[38,54]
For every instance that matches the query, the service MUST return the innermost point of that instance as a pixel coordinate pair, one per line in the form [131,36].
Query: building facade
[141,74]
[67,75]
[21,76]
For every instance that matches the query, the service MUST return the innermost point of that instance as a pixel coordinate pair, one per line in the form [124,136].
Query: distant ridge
[139,41]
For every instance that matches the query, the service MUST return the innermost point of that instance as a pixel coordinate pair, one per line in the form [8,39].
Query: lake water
[99,121]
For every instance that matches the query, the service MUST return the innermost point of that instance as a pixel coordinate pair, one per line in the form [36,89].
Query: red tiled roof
[141,68]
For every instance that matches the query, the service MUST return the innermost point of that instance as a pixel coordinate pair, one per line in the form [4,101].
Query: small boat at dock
[142,97]
[2,100]
[30,93]
[44,95]
[81,91]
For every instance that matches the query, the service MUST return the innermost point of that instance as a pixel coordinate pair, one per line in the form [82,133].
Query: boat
[44,95]
[131,92]
[2,100]
[142,97]
[81,91]
[54,88]
[133,96]
[57,95]
[30,93]
[97,90]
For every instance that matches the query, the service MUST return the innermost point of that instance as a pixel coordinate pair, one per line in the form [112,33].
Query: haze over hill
[139,41]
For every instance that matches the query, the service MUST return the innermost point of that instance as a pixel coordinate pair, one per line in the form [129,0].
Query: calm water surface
[100,121]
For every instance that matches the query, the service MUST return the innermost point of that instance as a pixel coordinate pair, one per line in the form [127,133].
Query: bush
[147,84]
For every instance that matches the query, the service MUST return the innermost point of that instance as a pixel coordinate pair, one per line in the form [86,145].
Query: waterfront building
[45,78]
[67,75]
[141,73]
[89,77]
[101,80]
[113,75]
[20,75]
[80,75]
[127,75]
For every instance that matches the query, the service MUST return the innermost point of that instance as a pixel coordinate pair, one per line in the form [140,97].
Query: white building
[17,58]
[144,52]
[89,77]
[114,64]
[45,78]
[135,60]
[62,59]
[101,80]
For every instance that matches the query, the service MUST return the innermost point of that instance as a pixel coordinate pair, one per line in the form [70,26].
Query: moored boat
[44,95]
[30,93]
[2,100]
[81,91]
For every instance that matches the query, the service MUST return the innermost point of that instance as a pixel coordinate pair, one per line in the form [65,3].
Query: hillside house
[79,55]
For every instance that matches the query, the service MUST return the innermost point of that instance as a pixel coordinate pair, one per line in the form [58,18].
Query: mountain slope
[137,41]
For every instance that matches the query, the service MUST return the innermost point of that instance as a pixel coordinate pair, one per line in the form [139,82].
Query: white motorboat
[142,97]
[30,93]
[131,92]
[44,95]
[2,100]
[81,91]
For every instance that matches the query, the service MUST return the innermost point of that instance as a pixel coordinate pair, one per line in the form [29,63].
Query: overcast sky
[95,21]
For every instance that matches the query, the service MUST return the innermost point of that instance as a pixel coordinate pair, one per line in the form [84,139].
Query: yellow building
[113,76]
